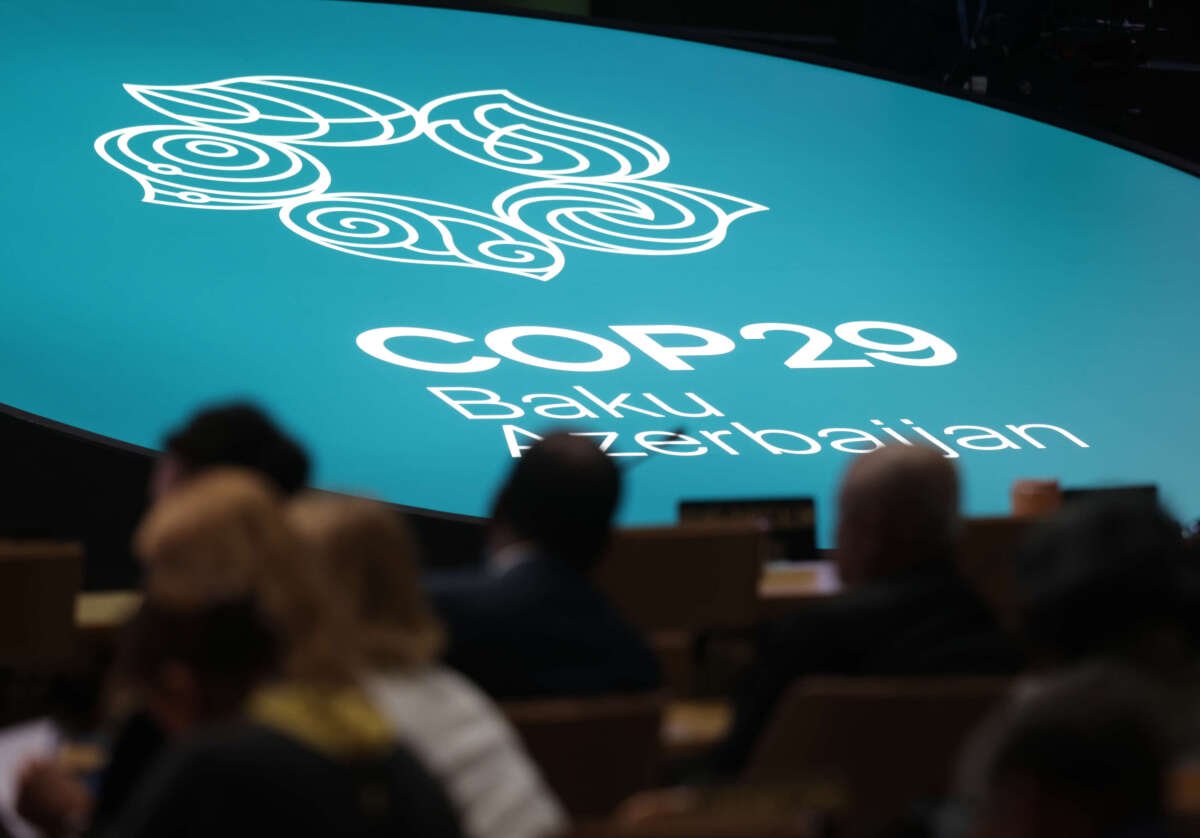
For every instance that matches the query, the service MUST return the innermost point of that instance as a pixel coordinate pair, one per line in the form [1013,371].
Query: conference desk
[783,585]
[786,586]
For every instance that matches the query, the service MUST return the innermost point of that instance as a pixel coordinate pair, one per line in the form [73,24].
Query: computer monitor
[790,522]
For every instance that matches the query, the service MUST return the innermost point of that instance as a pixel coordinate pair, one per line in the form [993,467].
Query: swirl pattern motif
[292,109]
[504,131]
[397,228]
[237,144]
[207,169]
[641,218]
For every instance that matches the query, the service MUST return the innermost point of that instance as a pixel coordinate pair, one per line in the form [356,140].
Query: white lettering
[712,343]
[374,343]
[661,442]
[511,411]
[503,342]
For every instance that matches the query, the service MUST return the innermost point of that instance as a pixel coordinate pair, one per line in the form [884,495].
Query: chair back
[688,578]
[987,560]
[593,752]
[39,581]
[697,827]
[885,742]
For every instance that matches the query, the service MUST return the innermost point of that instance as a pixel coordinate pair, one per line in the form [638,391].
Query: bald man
[904,611]
[897,509]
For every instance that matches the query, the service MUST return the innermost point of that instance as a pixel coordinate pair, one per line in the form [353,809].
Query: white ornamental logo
[248,143]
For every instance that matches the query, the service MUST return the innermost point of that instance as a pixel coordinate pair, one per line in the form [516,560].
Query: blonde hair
[367,556]
[223,536]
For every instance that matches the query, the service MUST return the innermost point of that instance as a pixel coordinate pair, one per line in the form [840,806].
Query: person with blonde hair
[246,665]
[367,559]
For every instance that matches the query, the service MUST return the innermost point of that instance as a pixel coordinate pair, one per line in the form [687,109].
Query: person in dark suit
[904,611]
[1088,753]
[1111,580]
[532,623]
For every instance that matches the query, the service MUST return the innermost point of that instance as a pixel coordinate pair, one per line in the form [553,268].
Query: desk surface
[104,609]
[798,579]
[694,725]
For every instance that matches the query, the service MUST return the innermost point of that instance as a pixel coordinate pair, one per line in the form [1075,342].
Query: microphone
[631,462]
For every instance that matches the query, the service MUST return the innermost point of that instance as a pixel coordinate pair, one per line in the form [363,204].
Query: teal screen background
[1062,269]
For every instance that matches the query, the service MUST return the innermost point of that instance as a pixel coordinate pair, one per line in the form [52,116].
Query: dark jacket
[137,745]
[540,628]
[921,621]
[247,779]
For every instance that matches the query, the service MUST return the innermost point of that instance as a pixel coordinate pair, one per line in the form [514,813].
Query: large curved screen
[423,238]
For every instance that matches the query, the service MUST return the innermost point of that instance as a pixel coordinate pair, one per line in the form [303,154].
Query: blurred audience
[1111,580]
[905,610]
[287,677]
[246,663]
[532,623]
[367,558]
[235,434]
[1086,755]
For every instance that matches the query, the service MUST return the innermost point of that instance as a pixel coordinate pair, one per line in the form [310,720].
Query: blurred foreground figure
[533,624]
[234,434]
[1085,755]
[367,559]
[905,610]
[239,657]
[1111,581]
[213,438]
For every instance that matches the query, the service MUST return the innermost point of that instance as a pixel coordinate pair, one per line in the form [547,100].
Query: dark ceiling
[1127,70]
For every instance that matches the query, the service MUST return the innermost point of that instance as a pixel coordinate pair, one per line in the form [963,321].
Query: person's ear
[175,701]
[168,474]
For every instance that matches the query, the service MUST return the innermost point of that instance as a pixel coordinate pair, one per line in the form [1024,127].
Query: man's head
[1085,755]
[231,435]
[897,507]
[1108,579]
[561,495]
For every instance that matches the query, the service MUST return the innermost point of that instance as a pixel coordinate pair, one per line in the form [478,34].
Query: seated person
[905,610]
[233,434]
[1086,755]
[533,624]
[367,558]
[247,665]
[1110,580]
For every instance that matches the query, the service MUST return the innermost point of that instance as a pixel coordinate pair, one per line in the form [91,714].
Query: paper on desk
[19,744]
[789,578]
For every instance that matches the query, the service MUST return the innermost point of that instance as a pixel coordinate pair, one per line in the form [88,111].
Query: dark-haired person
[1112,580]
[248,666]
[235,434]
[1086,755]
[905,609]
[533,624]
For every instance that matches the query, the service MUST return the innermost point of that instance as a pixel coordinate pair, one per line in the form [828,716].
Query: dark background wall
[1127,68]
[60,483]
